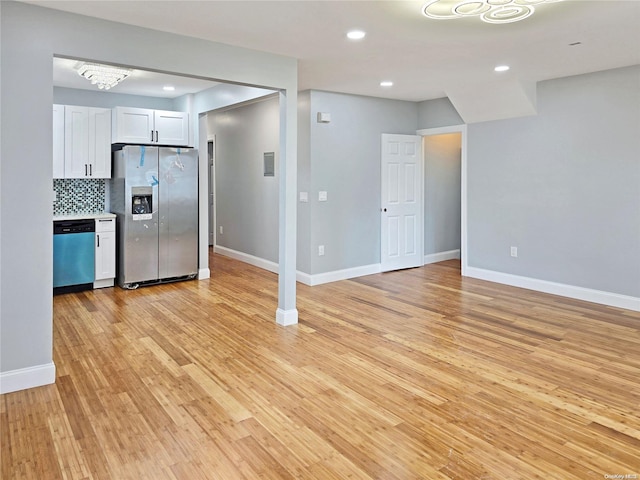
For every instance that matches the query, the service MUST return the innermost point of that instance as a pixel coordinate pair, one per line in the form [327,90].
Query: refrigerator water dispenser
[141,203]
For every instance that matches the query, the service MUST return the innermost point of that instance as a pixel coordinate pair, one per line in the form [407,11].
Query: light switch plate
[322,196]
[324,117]
[304,197]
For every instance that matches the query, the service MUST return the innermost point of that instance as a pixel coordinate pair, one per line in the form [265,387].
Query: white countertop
[84,216]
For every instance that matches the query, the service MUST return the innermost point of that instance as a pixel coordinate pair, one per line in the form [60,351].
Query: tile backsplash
[79,196]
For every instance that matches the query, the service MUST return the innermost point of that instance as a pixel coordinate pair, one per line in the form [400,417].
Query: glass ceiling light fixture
[490,11]
[104,76]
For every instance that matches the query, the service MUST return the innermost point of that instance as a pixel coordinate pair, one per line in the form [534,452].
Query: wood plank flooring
[417,374]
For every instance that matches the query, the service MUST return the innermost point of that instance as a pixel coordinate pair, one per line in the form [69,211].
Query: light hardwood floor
[417,374]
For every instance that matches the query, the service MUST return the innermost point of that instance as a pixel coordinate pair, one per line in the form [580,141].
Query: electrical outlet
[514,251]
[320,250]
[221,230]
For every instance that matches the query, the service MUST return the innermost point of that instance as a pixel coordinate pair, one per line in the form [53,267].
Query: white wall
[36,34]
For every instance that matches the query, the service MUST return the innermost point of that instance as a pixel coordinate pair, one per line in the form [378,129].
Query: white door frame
[203,213]
[462,129]
[211,176]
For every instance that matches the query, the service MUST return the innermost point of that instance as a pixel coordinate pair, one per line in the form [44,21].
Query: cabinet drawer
[105,225]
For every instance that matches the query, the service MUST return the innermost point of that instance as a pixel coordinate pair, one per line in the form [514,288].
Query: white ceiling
[424,58]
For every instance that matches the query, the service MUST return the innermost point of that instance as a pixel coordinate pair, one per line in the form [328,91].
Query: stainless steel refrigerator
[154,194]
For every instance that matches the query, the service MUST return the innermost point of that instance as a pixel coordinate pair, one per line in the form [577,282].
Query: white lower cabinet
[105,260]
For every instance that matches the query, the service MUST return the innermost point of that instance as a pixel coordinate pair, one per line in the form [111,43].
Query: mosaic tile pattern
[79,196]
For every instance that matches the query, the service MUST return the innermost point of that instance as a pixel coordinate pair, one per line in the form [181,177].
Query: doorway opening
[445,160]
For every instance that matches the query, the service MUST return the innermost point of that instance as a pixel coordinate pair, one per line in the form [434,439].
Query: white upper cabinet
[58,141]
[87,142]
[132,125]
[150,127]
[100,142]
[172,128]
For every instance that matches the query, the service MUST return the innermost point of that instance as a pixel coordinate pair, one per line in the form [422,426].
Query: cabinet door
[76,141]
[172,128]
[58,141]
[99,142]
[105,258]
[133,125]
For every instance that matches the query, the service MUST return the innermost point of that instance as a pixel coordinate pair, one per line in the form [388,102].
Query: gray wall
[437,113]
[562,186]
[345,162]
[442,170]
[304,181]
[26,96]
[225,94]
[246,200]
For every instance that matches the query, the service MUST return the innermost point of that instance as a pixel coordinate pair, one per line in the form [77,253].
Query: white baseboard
[301,277]
[107,282]
[286,317]
[570,291]
[204,273]
[442,256]
[246,258]
[30,377]
[336,275]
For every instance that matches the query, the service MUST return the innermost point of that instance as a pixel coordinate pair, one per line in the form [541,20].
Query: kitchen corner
[84,236]
[146,174]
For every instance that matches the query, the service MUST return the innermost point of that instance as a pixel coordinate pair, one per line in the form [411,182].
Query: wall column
[287,314]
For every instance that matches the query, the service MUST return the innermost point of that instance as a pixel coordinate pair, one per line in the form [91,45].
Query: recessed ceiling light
[356,35]
[501,68]
[168,88]
[386,83]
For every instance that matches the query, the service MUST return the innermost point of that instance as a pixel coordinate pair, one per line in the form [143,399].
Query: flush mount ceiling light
[104,76]
[501,68]
[356,35]
[386,83]
[490,11]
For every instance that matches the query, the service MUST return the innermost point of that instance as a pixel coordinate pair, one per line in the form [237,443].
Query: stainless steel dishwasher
[73,255]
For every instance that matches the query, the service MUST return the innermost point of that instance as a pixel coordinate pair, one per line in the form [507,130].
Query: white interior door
[401,209]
